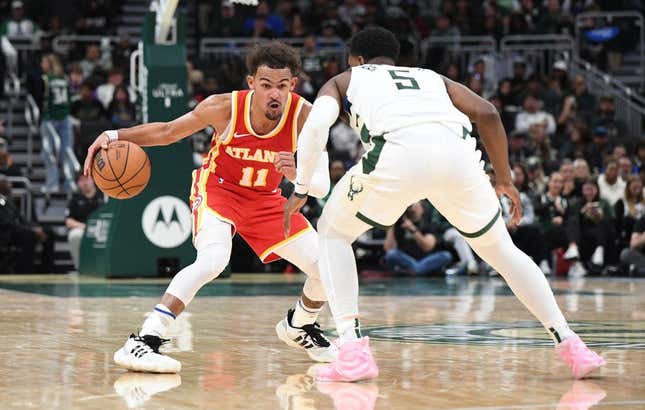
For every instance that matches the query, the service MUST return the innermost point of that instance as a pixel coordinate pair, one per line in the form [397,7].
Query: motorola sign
[166,221]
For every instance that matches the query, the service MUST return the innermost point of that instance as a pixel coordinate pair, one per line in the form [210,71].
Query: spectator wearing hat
[599,149]
[18,25]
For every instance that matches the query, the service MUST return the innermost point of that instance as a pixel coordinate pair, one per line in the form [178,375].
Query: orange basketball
[122,170]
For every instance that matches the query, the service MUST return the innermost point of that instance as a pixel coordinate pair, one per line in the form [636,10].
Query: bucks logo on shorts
[355,187]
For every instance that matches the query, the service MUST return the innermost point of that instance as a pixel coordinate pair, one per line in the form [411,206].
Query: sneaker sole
[123,362]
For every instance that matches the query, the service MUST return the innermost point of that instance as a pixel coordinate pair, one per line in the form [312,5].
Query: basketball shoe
[309,337]
[579,357]
[141,354]
[137,388]
[355,362]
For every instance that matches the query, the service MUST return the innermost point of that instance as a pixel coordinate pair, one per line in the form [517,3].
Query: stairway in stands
[131,21]
[50,212]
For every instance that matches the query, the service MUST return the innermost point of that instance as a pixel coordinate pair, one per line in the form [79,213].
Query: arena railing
[237,47]
[630,106]
[62,44]
[464,49]
[540,50]
[21,188]
[635,19]
[32,118]
[70,164]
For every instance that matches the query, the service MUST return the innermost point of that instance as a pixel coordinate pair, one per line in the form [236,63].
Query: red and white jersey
[242,157]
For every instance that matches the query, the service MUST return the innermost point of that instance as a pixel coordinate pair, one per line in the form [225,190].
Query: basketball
[122,170]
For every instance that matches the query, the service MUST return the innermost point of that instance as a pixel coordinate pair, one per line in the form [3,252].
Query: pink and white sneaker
[355,362]
[579,357]
[347,396]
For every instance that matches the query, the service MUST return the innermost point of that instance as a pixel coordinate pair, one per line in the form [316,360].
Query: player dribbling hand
[101,141]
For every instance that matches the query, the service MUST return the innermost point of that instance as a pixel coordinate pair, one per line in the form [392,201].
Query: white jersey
[384,98]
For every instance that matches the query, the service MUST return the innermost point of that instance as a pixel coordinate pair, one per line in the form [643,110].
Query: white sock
[348,329]
[158,321]
[524,277]
[304,315]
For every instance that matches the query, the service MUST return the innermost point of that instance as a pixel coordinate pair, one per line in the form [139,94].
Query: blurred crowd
[579,170]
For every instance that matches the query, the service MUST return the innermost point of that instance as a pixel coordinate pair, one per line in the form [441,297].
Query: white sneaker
[137,388]
[598,257]
[141,354]
[577,270]
[545,268]
[571,253]
[308,337]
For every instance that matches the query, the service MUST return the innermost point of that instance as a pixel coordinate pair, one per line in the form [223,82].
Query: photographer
[409,244]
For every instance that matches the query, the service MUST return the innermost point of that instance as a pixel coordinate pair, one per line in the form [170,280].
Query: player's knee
[211,262]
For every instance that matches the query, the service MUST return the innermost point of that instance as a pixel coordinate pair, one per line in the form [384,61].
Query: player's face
[272,87]
[354,61]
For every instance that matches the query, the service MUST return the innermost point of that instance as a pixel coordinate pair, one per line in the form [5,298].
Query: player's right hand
[508,189]
[292,206]
[101,141]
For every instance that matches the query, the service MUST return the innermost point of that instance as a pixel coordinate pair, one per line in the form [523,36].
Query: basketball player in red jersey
[236,190]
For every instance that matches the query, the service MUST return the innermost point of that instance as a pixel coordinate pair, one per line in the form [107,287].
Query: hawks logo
[614,335]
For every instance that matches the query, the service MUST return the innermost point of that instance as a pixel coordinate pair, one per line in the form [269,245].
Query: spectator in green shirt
[55,116]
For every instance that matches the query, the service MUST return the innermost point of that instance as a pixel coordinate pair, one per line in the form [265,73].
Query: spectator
[297,27]
[7,166]
[576,143]
[226,23]
[18,25]
[518,82]
[568,178]
[312,62]
[79,209]
[105,92]
[343,140]
[629,209]
[121,112]
[612,188]
[606,117]
[639,157]
[518,151]
[55,114]
[96,59]
[581,173]
[634,257]
[533,114]
[122,49]
[595,227]
[409,245]
[350,10]
[15,230]
[88,108]
[626,169]
[554,215]
[599,149]
[75,82]
[584,101]
[269,24]
[94,20]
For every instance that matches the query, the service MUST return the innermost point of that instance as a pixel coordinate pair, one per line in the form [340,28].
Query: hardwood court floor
[441,344]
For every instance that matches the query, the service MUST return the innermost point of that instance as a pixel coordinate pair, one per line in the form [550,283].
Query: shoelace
[151,344]
[316,335]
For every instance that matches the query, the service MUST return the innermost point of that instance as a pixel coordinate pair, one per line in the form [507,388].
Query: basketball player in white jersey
[415,125]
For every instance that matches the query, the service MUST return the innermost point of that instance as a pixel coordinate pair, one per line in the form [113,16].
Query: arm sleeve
[313,138]
[319,186]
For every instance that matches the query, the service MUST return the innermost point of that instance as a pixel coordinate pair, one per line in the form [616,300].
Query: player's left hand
[285,163]
[292,206]
[508,189]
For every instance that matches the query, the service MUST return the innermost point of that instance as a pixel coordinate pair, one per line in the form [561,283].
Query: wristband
[113,135]
[297,195]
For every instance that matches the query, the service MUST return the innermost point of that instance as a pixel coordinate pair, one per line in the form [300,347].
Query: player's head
[273,71]
[371,43]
